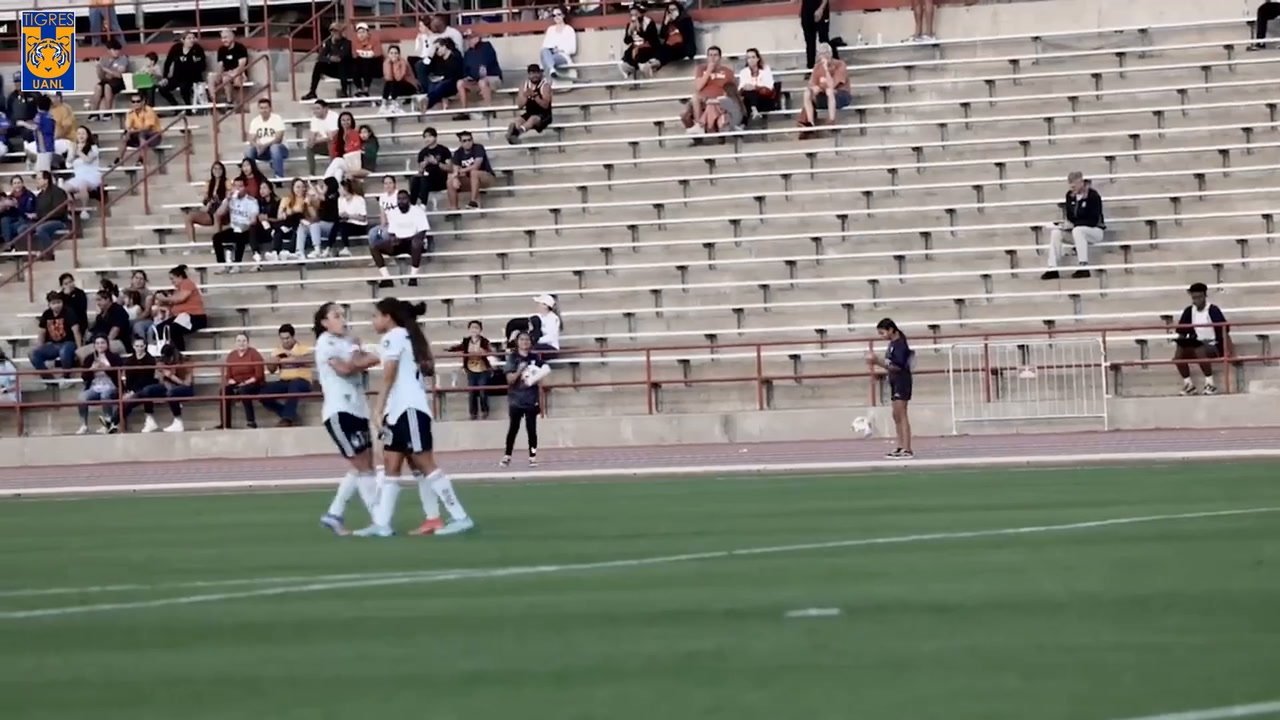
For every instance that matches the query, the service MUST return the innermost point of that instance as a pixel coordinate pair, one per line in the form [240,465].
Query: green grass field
[1096,622]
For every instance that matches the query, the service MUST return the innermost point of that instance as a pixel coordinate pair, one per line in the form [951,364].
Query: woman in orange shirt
[186,309]
[242,375]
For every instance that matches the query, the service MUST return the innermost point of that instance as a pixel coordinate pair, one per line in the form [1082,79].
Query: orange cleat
[428,527]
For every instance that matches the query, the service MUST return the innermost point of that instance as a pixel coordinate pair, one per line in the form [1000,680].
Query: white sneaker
[84,215]
[695,130]
[1209,388]
[344,252]
[105,429]
[625,69]
[176,426]
[257,258]
[456,527]
[233,270]
[222,270]
[272,256]
[1188,387]
[324,253]
[82,430]
[376,531]
[150,425]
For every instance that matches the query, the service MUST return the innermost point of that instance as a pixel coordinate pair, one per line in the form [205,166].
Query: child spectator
[174,380]
[144,80]
[755,82]
[131,301]
[184,67]
[293,361]
[242,376]
[44,130]
[59,336]
[398,80]
[559,44]
[640,40]
[101,383]
[476,364]
[522,397]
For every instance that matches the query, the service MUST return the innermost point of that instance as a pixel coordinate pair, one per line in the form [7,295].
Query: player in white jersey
[340,361]
[405,411]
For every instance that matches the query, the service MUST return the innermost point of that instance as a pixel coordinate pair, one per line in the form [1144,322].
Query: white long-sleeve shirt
[426,41]
[562,38]
[763,79]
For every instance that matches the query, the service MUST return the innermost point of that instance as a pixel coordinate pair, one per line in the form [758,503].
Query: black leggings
[185,90]
[1267,12]
[530,427]
[343,232]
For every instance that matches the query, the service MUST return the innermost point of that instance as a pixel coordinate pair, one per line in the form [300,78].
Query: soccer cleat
[334,523]
[457,527]
[428,527]
[375,531]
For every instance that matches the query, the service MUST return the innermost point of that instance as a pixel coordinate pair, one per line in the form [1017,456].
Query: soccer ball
[533,374]
[861,427]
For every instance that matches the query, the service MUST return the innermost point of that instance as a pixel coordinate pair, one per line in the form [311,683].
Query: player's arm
[357,363]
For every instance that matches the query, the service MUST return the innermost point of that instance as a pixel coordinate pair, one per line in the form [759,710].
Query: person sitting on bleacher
[141,130]
[397,80]
[111,323]
[60,334]
[17,210]
[676,39]
[293,360]
[241,212]
[101,382]
[64,124]
[184,66]
[714,104]
[353,217]
[435,165]
[828,88]
[755,81]
[1084,220]
[251,177]
[291,223]
[111,70]
[266,142]
[481,72]
[439,77]
[471,169]
[640,40]
[367,60]
[243,375]
[51,212]
[324,216]
[344,147]
[233,63]
[215,191]
[86,174]
[533,102]
[1202,335]
[559,45]
[186,309]
[174,379]
[20,108]
[324,123]
[263,232]
[405,230]
[430,32]
[333,59]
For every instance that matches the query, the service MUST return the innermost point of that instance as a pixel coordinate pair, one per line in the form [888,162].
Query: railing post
[986,369]
[759,377]
[648,378]
[872,380]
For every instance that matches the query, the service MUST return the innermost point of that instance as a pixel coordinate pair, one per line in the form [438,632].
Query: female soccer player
[897,362]
[405,411]
[339,363]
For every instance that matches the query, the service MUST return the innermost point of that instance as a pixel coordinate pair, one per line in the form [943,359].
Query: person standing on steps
[1084,221]
[815,23]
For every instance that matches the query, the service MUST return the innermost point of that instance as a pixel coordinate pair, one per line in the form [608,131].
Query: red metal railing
[651,381]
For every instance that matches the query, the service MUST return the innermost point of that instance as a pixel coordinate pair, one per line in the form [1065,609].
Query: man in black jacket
[333,60]
[1083,210]
[1202,335]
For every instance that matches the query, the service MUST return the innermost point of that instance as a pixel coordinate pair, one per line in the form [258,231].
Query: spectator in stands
[481,71]
[42,148]
[640,40]
[476,364]
[59,336]
[267,142]
[51,209]
[1202,335]
[676,39]
[755,81]
[102,13]
[440,76]
[240,211]
[922,10]
[215,191]
[175,380]
[19,210]
[1267,12]
[369,147]
[64,121]
[86,174]
[344,148]
[291,224]
[324,216]
[144,79]
[471,170]
[101,383]
[184,67]
[243,376]
[1084,221]
[828,88]
[544,326]
[252,177]
[353,217]
[186,308]
[138,284]
[324,125]
[430,32]
[10,386]
[815,24]
[406,231]
[20,108]
[131,301]
[111,69]
[366,59]
[522,398]
[559,45]
[712,111]
[76,300]
[293,361]
[139,373]
[262,234]
[233,63]
[112,324]
[333,59]
[386,201]
[141,129]
[533,102]
[435,167]
[398,80]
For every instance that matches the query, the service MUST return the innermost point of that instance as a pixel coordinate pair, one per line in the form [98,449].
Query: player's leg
[423,460]
[351,435]
[395,446]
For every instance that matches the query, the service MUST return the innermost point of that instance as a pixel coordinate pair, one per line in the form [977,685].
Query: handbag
[160,339]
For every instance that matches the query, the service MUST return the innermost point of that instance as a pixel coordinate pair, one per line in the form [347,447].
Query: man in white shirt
[324,124]
[241,211]
[267,138]
[406,231]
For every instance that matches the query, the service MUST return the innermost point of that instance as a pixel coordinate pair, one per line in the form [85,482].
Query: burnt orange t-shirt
[363,48]
[719,78]
[194,304]
[675,38]
[839,74]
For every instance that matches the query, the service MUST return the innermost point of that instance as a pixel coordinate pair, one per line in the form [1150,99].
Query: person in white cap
[368,61]
[545,333]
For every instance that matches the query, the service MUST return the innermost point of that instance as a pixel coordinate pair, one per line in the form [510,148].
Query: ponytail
[406,315]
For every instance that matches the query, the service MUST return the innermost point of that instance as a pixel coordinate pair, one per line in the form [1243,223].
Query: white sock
[413,270]
[384,272]
[387,494]
[367,485]
[430,503]
[443,488]
[346,489]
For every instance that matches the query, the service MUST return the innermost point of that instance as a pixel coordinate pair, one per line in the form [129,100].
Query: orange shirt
[144,118]
[838,70]
[194,304]
[363,48]
[718,78]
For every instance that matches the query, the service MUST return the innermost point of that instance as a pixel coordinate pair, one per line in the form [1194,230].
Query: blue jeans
[63,352]
[110,412]
[157,391]
[97,16]
[478,400]
[276,153]
[12,226]
[47,231]
[286,408]
[321,233]
[552,61]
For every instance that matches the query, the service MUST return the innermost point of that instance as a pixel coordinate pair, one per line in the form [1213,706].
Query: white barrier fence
[1018,380]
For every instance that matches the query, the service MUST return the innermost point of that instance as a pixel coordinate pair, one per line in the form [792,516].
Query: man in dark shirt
[435,163]
[233,61]
[1084,221]
[1202,335]
[471,170]
[51,215]
[60,334]
[334,60]
[112,323]
[184,66]
[74,299]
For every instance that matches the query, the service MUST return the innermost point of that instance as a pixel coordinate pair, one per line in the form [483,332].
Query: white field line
[489,573]
[281,580]
[775,468]
[1220,713]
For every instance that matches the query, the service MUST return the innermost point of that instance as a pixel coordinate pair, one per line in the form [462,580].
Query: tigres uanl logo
[48,51]
[47,57]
